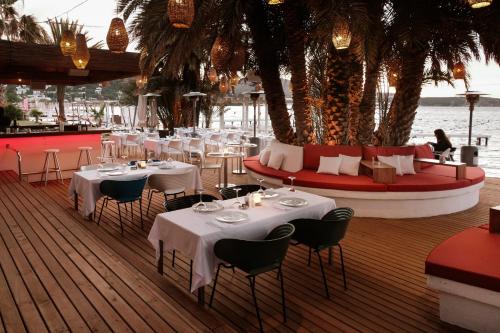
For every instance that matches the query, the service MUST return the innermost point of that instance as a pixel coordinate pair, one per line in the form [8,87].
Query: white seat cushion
[264,156]
[275,160]
[329,165]
[349,165]
[293,156]
[406,162]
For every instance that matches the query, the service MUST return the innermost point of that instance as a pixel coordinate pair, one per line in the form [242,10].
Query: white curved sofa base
[394,205]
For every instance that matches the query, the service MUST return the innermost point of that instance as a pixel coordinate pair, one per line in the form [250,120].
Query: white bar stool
[86,151]
[46,166]
[108,150]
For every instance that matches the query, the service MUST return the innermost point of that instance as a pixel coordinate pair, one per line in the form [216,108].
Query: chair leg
[343,268]
[150,197]
[140,213]
[79,159]
[120,216]
[215,284]
[190,274]
[309,258]
[45,166]
[323,273]
[330,255]
[280,273]
[102,207]
[251,279]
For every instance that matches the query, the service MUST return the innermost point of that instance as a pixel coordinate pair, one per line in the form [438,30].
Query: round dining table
[225,156]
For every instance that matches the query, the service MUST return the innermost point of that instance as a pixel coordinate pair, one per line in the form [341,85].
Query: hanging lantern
[341,36]
[220,53]
[392,78]
[105,84]
[212,75]
[459,71]
[68,43]
[238,59]
[223,84]
[235,80]
[117,38]
[82,56]
[275,2]
[141,81]
[479,3]
[181,13]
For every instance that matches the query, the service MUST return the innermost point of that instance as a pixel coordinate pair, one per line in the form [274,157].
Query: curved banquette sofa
[434,190]
[465,270]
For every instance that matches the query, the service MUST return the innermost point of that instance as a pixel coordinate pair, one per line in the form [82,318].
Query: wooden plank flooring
[60,272]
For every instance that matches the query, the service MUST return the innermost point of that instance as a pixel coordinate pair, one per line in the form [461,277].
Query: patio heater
[194,96]
[469,154]
[254,96]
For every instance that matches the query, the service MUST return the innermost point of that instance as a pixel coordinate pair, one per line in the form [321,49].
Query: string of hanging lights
[180,13]
[81,56]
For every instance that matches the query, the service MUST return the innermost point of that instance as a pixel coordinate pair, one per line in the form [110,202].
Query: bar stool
[108,150]
[46,166]
[86,151]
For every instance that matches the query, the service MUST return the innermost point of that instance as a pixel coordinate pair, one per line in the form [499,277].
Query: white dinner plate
[270,194]
[293,202]
[117,173]
[107,169]
[166,166]
[209,207]
[156,163]
[231,217]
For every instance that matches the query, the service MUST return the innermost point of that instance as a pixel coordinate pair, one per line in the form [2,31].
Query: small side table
[460,168]
[242,147]
[381,173]
[225,157]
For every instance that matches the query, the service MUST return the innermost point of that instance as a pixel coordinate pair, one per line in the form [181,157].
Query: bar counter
[24,152]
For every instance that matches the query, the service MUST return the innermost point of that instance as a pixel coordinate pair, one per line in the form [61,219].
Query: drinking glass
[201,203]
[237,190]
[261,190]
[292,178]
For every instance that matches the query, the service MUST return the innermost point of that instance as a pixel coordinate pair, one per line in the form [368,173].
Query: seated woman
[442,143]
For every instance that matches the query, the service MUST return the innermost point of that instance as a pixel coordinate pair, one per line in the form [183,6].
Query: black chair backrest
[123,190]
[338,219]
[230,193]
[187,201]
[256,256]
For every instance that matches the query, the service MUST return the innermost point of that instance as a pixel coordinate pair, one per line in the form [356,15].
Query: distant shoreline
[457,101]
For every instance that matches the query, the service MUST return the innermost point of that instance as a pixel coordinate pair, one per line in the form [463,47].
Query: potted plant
[98,114]
[36,113]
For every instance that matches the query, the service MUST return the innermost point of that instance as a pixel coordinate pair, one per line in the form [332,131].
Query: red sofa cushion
[370,152]
[470,257]
[474,174]
[422,182]
[485,226]
[312,153]
[309,178]
[424,151]
[253,164]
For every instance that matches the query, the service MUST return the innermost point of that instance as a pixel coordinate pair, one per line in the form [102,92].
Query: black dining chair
[255,257]
[230,193]
[123,192]
[182,203]
[324,234]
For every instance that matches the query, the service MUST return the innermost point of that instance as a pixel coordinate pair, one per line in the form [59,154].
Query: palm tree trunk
[60,90]
[404,105]
[355,96]
[335,110]
[269,71]
[294,27]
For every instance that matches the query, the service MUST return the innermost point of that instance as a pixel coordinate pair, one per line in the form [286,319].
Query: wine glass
[292,178]
[124,157]
[201,203]
[261,190]
[237,190]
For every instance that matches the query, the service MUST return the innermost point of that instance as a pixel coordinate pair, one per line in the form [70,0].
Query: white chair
[168,184]
[173,148]
[108,150]
[132,144]
[213,142]
[231,137]
[195,151]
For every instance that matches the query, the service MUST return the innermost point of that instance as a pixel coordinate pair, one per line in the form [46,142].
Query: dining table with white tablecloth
[194,234]
[86,183]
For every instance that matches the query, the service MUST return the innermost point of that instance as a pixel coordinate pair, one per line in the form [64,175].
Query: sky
[97,14]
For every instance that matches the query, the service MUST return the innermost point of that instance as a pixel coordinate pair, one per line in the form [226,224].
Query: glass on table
[292,178]
[261,190]
[200,203]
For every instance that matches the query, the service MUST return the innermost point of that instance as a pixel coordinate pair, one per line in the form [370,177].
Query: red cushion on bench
[370,152]
[470,257]
[312,153]
[254,165]
[485,226]
[422,182]
[309,178]
[474,174]
[424,151]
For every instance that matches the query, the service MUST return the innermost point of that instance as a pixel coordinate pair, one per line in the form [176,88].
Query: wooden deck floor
[60,272]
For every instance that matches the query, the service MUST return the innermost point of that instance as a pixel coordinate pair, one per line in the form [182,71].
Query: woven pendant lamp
[275,2]
[238,59]
[141,81]
[223,84]
[181,13]
[392,78]
[479,3]
[459,71]
[235,79]
[212,75]
[341,35]
[117,37]
[82,55]
[220,53]
[68,43]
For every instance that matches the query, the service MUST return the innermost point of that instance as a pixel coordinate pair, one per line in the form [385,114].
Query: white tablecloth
[86,183]
[195,234]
